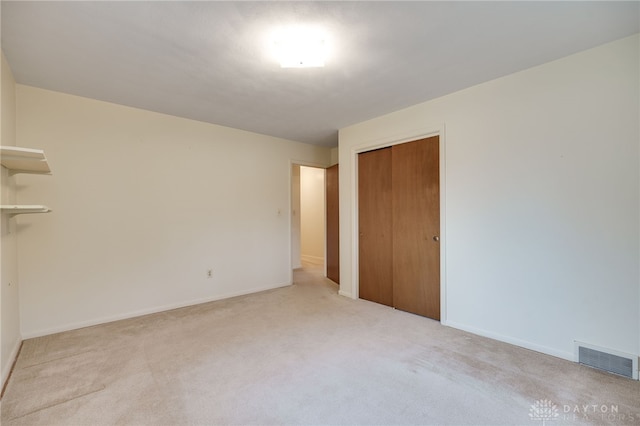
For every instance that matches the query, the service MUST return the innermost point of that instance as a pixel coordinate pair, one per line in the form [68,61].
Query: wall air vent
[607,360]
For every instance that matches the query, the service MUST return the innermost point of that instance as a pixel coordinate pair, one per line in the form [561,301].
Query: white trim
[355,291]
[142,312]
[345,294]
[293,162]
[290,221]
[307,164]
[416,134]
[443,227]
[324,215]
[6,368]
[513,341]
[633,358]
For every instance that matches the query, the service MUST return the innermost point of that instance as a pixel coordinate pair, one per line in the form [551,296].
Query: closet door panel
[416,227]
[375,226]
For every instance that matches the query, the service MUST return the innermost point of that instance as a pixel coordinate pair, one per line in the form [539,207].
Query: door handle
[436,238]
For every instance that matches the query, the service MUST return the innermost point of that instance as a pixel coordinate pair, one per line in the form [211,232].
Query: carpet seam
[55,359]
[59,403]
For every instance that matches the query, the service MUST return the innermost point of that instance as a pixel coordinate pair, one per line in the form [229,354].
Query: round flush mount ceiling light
[300,47]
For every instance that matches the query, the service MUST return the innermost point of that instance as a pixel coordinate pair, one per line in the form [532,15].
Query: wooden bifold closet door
[399,226]
[375,225]
[333,223]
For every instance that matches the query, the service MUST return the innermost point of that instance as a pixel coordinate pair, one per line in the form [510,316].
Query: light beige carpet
[300,355]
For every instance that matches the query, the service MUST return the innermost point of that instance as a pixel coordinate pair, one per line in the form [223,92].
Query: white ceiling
[207,60]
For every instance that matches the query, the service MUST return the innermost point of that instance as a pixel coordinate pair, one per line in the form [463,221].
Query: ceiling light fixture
[300,47]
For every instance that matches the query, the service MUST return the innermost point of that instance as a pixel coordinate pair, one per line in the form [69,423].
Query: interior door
[375,226]
[333,224]
[416,227]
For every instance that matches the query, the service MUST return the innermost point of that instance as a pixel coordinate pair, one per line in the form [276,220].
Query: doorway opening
[307,217]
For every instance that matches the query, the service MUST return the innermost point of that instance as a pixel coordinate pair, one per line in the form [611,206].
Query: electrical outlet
[209,273]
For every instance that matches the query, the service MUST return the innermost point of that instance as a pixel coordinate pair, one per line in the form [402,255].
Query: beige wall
[312,213]
[334,156]
[9,306]
[143,205]
[540,197]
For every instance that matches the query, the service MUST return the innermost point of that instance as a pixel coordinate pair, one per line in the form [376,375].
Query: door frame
[426,132]
[293,162]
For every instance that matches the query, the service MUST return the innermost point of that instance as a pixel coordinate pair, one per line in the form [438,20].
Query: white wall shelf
[24,160]
[14,209]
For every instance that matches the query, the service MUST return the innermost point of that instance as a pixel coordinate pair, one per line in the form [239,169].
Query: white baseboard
[513,341]
[345,294]
[6,368]
[139,313]
[312,259]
